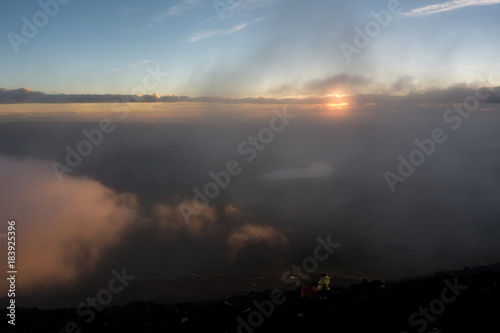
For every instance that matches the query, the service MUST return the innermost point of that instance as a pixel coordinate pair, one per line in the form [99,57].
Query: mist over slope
[443,216]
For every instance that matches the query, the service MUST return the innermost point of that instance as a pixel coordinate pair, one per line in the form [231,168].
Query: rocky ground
[466,300]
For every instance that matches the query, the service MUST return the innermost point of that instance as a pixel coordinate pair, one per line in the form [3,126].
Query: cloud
[182,8]
[140,63]
[254,234]
[447,6]
[312,170]
[169,218]
[246,5]
[254,228]
[204,34]
[210,33]
[172,11]
[259,19]
[25,95]
[72,232]
[342,84]
[230,227]
[253,4]
[63,228]
[20,95]
[347,83]
[404,84]
[235,28]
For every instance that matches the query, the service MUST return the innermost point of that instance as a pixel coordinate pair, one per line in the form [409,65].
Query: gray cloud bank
[401,91]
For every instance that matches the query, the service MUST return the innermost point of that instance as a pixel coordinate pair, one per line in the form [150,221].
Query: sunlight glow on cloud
[238,232]
[65,227]
[447,6]
[254,233]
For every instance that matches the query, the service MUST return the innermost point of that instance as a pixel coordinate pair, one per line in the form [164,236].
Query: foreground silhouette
[455,301]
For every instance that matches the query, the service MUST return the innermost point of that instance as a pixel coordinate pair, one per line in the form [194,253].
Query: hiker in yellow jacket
[323,284]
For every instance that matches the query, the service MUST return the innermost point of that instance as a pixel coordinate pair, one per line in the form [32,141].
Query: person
[323,285]
[308,291]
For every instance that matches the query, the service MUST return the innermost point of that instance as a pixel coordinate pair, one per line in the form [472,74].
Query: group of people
[319,290]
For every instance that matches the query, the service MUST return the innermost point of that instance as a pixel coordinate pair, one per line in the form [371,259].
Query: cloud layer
[73,231]
[315,91]
[447,6]
[71,234]
[63,229]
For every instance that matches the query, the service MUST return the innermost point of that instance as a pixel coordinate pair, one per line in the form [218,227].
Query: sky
[248,49]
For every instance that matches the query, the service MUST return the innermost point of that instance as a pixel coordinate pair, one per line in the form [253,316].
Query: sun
[336,104]
[336,95]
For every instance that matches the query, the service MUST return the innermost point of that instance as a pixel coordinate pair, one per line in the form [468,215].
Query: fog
[318,173]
